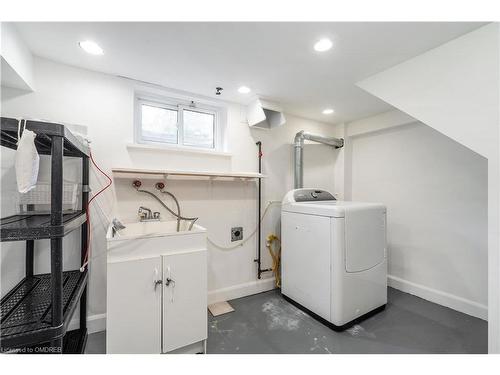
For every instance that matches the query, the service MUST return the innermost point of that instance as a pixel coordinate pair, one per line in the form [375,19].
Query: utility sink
[156,288]
[139,240]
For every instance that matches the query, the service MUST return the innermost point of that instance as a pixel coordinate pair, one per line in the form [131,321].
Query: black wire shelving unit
[35,314]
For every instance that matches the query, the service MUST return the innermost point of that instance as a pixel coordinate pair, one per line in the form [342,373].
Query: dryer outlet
[236,234]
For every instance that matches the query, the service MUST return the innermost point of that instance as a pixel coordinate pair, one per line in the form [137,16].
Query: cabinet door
[133,321]
[184,299]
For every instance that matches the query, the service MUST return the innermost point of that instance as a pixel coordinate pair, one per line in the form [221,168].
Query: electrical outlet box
[236,234]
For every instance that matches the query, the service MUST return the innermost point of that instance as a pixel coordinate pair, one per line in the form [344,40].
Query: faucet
[145,214]
[116,226]
[156,215]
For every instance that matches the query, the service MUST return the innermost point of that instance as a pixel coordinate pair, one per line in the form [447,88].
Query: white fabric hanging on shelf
[27,160]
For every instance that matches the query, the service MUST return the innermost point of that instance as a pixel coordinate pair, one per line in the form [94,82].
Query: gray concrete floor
[96,343]
[266,323]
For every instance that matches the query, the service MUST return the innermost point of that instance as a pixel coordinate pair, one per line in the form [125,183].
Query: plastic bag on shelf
[27,160]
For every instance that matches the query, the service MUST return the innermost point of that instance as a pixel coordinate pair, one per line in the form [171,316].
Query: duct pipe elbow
[299,139]
[299,149]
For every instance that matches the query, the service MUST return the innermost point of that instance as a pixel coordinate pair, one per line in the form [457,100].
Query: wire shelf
[26,311]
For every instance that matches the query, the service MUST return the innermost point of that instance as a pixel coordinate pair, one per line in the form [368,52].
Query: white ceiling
[276,60]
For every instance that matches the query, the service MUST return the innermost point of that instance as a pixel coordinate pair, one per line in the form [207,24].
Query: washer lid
[328,208]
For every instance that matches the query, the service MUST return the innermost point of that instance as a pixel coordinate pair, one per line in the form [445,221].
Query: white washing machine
[333,258]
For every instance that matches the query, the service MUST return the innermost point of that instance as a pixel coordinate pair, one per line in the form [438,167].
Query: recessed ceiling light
[328,111]
[244,90]
[323,45]
[91,47]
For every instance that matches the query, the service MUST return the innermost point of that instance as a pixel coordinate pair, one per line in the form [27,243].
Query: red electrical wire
[87,212]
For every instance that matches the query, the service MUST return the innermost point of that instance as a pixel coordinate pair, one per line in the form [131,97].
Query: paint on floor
[357,330]
[281,315]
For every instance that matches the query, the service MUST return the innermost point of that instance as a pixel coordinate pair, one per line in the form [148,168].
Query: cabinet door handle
[170,282]
[156,278]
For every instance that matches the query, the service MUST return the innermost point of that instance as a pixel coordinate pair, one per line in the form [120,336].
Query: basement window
[178,123]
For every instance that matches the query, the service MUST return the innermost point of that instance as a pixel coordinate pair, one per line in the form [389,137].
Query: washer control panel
[309,195]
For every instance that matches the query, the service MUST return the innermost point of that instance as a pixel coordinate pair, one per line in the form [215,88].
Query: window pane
[159,124]
[199,129]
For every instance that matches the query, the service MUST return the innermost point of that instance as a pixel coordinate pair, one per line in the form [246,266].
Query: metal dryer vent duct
[299,152]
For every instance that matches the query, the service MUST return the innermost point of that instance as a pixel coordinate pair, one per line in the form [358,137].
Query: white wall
[455,89]
[16,59]
[104,104]
[436,195]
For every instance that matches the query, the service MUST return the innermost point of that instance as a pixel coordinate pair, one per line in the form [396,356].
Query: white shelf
[181,149]
[156,173]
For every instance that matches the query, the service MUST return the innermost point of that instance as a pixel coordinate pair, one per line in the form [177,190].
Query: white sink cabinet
[156,289]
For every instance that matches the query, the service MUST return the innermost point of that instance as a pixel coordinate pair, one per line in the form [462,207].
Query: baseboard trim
[241,290]
[95,323]
[442,298]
